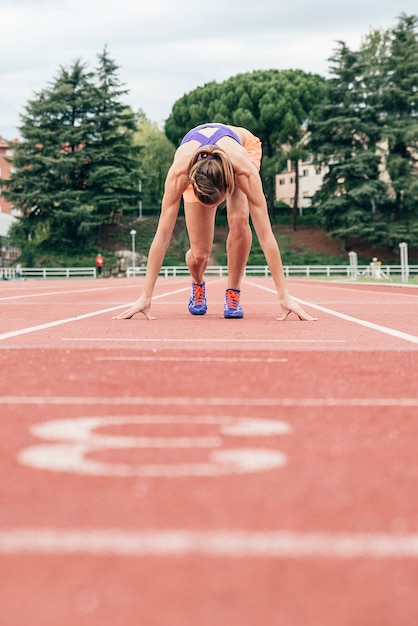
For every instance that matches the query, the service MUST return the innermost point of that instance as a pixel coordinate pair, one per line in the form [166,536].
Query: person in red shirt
[99,263]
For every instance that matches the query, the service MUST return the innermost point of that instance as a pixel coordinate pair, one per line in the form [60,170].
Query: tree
[272,104]
[112,158]
[343,134]
[400,116]
[366,133]
[76,163]
[156,157]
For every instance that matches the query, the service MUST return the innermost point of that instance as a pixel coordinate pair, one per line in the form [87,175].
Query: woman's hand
[142,305]
[290,306]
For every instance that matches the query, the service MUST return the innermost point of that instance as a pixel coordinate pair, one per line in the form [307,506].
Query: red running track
[196,470]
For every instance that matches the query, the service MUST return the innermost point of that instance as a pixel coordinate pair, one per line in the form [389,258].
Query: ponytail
[211,174]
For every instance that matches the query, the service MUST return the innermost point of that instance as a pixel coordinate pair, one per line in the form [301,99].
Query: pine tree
[343,135]
[367,133]
[400,114]
[111,173]
[76,164]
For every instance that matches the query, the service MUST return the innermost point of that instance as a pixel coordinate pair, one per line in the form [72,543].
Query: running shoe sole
[233,313]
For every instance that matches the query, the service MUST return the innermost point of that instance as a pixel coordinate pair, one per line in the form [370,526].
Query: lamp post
[133,233]
[140,201]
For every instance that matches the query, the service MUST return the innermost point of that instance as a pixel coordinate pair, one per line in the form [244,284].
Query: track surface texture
[190,471]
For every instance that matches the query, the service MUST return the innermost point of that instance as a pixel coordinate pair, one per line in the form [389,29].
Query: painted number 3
[73,444]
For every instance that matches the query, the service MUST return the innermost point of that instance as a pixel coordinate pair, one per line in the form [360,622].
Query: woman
[214,163]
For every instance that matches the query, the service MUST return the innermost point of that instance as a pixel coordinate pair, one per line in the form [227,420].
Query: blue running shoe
[197,302]
[232,306]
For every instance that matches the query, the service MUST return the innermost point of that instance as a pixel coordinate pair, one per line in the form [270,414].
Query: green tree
[343,134]
[157,153]
[367,135]
[76,163]
[112,158]
[400,116]
[272,104]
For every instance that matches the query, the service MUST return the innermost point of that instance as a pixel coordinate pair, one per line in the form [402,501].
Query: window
[305,173]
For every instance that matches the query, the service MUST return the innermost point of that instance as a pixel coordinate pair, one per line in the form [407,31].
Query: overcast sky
[166,48]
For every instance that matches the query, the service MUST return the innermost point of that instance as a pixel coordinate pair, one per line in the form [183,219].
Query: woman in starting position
[214,163]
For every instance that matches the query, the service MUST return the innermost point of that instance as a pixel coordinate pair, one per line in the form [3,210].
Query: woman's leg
[200,224]
[238,243]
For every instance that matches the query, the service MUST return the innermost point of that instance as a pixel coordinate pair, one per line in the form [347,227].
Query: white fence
[329,271]
[289,270]
[48,272]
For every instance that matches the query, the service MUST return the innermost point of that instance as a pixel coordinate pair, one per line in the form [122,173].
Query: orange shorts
[254,150]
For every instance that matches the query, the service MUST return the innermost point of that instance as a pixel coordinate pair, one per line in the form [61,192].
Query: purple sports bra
[223,131]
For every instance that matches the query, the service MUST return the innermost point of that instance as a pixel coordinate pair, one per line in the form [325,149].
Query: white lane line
[110,287]
[183,340]
[55,293]
[204,401]
[375,302]
[77,318]
[349,286]
[197,359]
[33,329]
[383,329]
[226,544]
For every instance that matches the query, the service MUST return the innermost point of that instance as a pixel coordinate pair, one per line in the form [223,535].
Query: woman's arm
[249,181]
[176,183]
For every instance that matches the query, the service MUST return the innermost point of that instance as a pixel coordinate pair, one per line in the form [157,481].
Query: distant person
[99,263]
[18,271]
[215,163]
[376,268]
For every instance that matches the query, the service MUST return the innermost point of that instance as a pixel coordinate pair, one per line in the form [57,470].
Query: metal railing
[289,270]
[47,272]
[329,271]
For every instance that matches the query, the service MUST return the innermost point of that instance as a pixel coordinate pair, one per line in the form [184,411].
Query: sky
[166,48]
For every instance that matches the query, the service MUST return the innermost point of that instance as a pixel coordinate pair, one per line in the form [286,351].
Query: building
[5,171]
[7,212]
[310,180]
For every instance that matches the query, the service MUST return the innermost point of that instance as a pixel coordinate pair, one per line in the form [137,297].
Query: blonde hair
[211,174]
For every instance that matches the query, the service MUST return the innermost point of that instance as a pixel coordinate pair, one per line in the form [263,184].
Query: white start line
[218,543]
[383,402]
